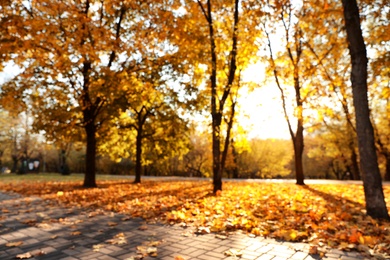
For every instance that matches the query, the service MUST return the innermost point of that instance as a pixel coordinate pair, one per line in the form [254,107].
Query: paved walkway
[36,229]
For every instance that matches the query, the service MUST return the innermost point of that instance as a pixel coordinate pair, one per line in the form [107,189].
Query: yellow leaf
[13,244]
[233,252]
[24,256]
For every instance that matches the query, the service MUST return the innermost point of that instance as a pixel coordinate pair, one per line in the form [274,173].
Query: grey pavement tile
[265,257]
[265,249]
[171,248]
[207,246]
[221,249]
[281,253]
[119,252]
[197,253]
[279,258]
[214,254]
[166,252]
[299,256]
[249,257]
[14,251]
[70,252]
[106,257]
[209,257]
[90,255]
[188,250]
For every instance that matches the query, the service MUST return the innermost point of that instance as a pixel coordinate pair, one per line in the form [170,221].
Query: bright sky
[262,113]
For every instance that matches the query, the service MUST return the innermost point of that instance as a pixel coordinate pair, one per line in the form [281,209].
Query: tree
[75,56]
[375,202]
[150,121]
[230,33]
[333,98]
[376,22]
[294,56]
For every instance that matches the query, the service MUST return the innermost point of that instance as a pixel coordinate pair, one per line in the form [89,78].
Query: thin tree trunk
[217,171]
[138,165]
[298,153]
[296,137]
[355,173]
[90,163]
[375,202]
[217,109]
[235,155]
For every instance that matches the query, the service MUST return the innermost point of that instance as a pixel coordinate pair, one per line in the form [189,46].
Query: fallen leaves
[28,255]
[118,239]
[148,249]
[233,252]
[14,244]
[324,215]
[24,256]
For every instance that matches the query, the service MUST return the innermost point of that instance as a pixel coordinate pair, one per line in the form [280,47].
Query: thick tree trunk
[387,173]
[375,202]
[90,163]
[138,165]
[90,129]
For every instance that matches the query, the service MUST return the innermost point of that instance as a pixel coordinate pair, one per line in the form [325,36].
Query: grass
[54,177]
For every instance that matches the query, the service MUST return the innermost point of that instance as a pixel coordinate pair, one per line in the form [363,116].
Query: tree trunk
[217,109]
[235,155]
[355,173]
[298,152]
[217,171]
[298,140]
[375,202]
[14,163]
[138,165]
[387,173]
[90,163]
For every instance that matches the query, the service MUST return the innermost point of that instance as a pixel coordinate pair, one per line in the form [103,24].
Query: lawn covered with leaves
[323,215]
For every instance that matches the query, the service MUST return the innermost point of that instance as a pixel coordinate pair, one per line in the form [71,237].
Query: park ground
[248,219]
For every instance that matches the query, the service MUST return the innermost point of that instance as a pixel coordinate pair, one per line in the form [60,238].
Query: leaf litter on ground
[323,215]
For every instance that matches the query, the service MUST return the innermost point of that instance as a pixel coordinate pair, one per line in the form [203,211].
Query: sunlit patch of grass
[52,177]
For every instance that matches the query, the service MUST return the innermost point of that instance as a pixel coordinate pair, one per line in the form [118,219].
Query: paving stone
[265,257]
[265,249]
[197,253]
[298,256]
[280,253]
[208,257]
[214,254]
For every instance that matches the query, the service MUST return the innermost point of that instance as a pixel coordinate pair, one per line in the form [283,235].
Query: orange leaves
[329,215]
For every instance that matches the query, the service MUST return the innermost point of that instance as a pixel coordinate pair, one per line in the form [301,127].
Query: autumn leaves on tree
[124,76]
